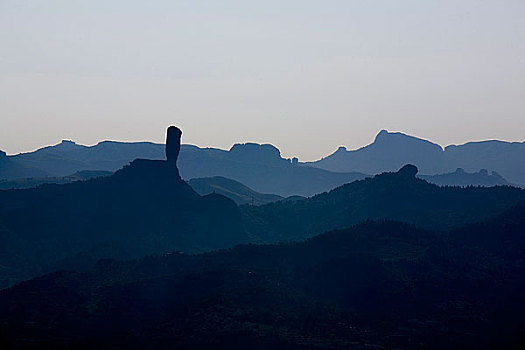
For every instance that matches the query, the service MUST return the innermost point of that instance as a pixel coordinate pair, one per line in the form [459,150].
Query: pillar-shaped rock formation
[173,144]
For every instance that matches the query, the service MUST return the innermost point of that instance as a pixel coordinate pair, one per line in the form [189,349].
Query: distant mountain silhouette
[396,196]
[377,285]
[143,208]
[260,167]
[232,189]
[10,169]
[68,157]
[390,151]
[461,178]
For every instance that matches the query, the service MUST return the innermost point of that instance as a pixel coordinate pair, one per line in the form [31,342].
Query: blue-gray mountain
[260,167]
[232,189]
[462,178]
[390,151]
[12,169]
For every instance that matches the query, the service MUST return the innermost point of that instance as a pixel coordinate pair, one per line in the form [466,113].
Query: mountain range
[261,167]
[139,258]
[147,208]
[398,196]
[391,150]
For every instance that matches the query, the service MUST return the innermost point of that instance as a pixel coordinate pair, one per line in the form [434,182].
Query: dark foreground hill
[383,285]
[142,209]
[232,189]
[396,196]
[146,208]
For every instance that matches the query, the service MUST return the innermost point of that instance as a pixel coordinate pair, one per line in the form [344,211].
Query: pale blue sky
[306,76]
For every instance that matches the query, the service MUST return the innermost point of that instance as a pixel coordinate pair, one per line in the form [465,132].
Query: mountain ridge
[259,167]
[390,150]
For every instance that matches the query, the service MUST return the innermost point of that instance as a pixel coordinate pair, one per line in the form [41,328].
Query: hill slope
[396,196]
[232,189]
[376,285]
[141,209]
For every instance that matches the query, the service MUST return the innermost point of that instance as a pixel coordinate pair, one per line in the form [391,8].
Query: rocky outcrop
[173,144]
[408,170]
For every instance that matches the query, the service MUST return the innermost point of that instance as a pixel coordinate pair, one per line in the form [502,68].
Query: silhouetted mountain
[142,209]
[146,208]
[390,151]
[10,169]
[232,189]
[461,178]
[68,157]
[504,157]
[395,196]
[31,182]
[376,285]
[260,167]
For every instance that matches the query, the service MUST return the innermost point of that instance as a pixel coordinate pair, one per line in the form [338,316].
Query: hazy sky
[306,76]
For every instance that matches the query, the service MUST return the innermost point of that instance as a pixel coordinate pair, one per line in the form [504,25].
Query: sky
[305,76]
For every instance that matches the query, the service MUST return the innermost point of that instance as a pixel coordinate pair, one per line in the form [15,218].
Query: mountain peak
[397,137]
[382,133]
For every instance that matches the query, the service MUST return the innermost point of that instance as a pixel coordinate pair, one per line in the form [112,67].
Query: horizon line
[265,143]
